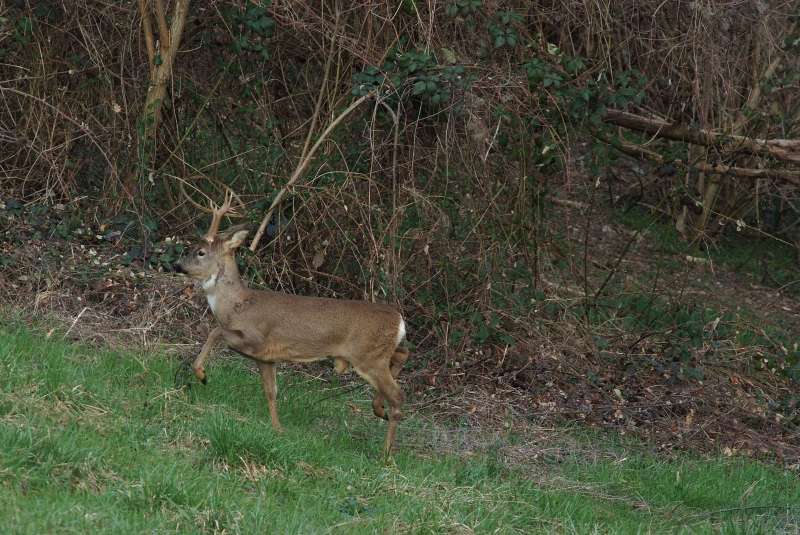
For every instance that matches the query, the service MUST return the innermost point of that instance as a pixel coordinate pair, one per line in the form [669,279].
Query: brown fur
[272,327]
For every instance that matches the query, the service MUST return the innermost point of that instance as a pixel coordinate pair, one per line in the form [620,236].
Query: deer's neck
[224,289]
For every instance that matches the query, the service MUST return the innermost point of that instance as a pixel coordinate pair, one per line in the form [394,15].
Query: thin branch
[81,126]
[188,131]
[396,142]
[301,167]
[320,96]
[494,137]
[148,35]
[754,98]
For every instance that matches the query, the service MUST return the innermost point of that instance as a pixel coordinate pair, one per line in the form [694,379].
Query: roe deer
[271,327]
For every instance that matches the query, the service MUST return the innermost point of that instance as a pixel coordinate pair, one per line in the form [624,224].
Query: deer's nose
[177,267]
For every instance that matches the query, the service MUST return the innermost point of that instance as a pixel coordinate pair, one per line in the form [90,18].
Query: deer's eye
[201,253]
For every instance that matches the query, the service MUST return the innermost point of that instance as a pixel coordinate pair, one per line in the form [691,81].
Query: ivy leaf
[419,87]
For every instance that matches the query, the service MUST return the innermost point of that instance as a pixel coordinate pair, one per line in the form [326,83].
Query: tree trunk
[151,114]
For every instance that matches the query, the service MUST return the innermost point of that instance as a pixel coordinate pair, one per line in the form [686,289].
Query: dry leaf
[318,259]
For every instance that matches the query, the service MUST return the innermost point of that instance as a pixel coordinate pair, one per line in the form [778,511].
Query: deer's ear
[235,240]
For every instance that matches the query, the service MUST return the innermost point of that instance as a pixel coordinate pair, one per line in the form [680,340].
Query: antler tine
[217,214]
[226,206]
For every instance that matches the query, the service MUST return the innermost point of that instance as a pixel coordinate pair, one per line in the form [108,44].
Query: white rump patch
[401,331]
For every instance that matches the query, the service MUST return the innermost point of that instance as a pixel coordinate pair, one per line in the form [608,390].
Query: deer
[271,327]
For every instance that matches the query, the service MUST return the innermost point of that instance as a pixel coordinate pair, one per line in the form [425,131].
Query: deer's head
[206,261]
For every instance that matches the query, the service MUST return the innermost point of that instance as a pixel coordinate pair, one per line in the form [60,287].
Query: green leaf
[449,55]
[419,87]
[483,333]
[499,41]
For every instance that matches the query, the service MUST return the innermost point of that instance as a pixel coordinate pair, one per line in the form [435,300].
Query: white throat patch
[212,302]
[209,285]
[210,282]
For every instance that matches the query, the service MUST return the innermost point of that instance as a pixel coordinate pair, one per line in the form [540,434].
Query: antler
[182,182]
[217,212]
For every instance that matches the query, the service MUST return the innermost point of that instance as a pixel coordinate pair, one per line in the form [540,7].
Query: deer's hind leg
[399,358]
[380,377]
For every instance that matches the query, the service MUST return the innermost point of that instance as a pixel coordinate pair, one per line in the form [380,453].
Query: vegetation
[102,441]
[579,222]
[482,115]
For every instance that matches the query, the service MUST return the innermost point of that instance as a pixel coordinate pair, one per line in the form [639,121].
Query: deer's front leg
[271,391]
[198,364]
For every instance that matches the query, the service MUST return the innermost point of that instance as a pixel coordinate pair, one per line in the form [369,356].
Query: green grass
[100,441]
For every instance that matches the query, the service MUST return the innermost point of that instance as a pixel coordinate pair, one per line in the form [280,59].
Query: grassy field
[101,441]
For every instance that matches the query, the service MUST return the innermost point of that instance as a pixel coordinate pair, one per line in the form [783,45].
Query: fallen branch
[638,151]
[782,149]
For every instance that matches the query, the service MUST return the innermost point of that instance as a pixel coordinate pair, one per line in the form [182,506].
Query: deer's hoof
[200,373]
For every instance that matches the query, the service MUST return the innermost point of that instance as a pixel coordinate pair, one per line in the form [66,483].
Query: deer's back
[319,326]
